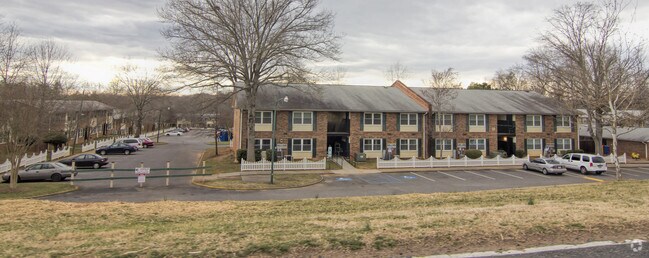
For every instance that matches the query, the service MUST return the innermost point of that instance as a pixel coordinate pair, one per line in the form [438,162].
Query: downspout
[646,155]
[578,139]
[240,128]
[423,137]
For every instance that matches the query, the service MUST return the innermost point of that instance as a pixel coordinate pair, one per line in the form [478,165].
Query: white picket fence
[284,164]
[35,158]
[449,162]
[91,145]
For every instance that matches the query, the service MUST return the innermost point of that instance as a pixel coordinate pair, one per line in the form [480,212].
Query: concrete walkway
[348,169]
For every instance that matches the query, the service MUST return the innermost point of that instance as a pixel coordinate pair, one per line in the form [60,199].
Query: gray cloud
[475,37]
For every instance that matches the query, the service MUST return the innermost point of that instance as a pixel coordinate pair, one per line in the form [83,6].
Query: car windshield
[598,160]
[551,161]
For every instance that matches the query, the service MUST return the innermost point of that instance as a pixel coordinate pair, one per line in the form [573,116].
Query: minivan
[137,143]
[585,163]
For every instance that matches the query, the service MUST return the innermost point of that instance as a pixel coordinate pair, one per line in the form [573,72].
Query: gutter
[646,155]
[423,137]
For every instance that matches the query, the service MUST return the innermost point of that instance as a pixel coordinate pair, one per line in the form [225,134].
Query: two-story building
[373,119]
[349,119]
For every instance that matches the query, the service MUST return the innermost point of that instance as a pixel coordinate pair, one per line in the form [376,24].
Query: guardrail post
[112,173]
[74,170]
[203,167]
[167,179]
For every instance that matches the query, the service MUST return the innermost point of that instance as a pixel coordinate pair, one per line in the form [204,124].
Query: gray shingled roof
[344,98]
[499,102]
[625,134]
[63,106]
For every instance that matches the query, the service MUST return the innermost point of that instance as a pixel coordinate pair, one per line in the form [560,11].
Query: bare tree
[12,54]
[590,63]
[247,44]
[141,87]
[396,71]
[513,78]
[442,90]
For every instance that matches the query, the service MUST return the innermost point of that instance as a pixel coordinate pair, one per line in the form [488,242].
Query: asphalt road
[630,248]
[185,151]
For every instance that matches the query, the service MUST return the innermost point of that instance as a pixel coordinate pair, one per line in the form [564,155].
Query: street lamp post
[273,144]
[157,140]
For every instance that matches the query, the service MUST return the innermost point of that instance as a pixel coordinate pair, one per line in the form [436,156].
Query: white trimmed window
[262,144]
[444,119]
[564,144]
[563,121]
[408,119]
[534,144]
[301,144]
[477,144]
[302,118]
[408,144]
[476,120]
[373,118]
[444,144]
[533,120]
[263,117]
[372,144]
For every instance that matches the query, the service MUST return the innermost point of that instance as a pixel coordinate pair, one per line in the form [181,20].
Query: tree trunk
[13,180]
[138,125]
[252,107]
[216,136]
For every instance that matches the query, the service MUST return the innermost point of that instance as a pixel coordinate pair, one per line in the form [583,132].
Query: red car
[146,142]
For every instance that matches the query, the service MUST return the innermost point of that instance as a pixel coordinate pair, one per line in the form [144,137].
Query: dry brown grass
[416,224]
[260,182]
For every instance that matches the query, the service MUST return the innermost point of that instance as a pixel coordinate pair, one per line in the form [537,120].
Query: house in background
[375,119]
[349,119]
[85,119]
[629,140]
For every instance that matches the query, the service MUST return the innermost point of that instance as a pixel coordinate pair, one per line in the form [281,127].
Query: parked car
[115,148]
[137,143]
[585,163]
[54,171]
[86,160]
[175,133]
[547,166]
[146,142]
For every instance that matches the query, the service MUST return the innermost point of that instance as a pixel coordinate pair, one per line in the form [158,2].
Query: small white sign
[141,178]
[280,146]
[142,171]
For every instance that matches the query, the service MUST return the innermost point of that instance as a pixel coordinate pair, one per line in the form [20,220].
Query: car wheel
[545,171]
[96,166]
[561,174]
[598,172]
[583,170]
[103,152]
[525,167]
[56,177]
[127,152]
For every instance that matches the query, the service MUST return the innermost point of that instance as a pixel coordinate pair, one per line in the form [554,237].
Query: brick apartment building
[629,140]
[373,119]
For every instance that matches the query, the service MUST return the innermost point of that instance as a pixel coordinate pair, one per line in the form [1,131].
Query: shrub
[473,154]
[242,153]
[520,154]
[55,138]
[635,155]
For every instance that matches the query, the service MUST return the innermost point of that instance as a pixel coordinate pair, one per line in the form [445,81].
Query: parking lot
[471,180]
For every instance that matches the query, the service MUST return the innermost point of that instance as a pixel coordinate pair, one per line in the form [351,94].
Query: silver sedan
[43,171]
[547,166]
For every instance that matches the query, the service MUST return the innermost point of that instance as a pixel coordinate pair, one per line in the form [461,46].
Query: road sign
[141,178]
[142,171]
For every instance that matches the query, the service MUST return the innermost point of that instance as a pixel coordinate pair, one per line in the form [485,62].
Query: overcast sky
[474,37]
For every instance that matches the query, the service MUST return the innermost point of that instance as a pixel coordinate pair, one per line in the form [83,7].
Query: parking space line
[604,174]
[395,179]
[480,175]
[572,175]
[627,173]
[533,173]
[452,176]
[429,179]
[594,179]
[361,178]
[506,174]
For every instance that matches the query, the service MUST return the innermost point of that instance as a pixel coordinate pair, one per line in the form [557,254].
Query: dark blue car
[116,148]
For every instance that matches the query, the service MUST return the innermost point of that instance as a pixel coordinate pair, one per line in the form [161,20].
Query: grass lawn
[403,225]
[261,182]
[33,189]
[224,163]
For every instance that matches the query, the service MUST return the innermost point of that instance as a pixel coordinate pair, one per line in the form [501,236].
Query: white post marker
[141,174]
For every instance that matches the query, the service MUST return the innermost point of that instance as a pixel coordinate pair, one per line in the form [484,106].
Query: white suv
[585,163]
[137,143]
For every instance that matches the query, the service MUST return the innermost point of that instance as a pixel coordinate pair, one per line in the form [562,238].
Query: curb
[50,194]
[279,188]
